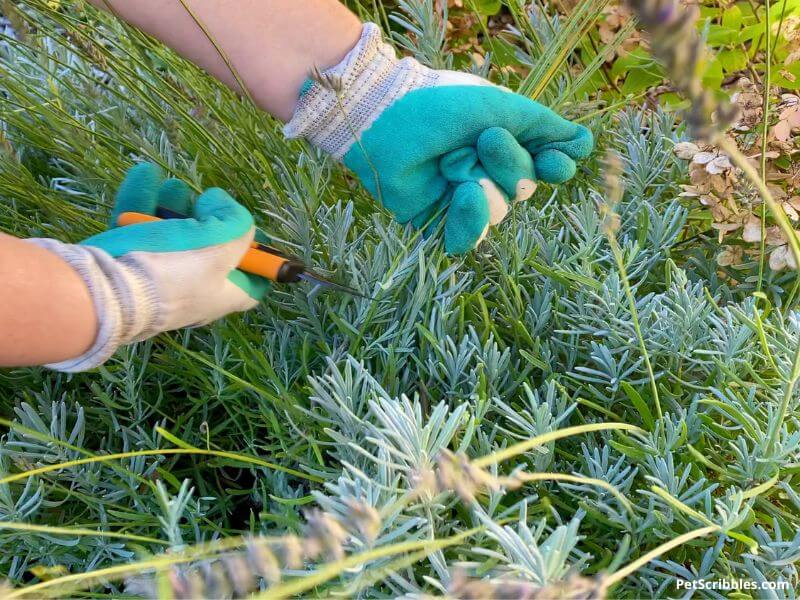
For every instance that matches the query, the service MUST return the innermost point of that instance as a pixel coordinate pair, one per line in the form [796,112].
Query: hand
[431,141]
[153,277]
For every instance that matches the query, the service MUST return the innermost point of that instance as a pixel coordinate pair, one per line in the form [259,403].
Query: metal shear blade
[316,279]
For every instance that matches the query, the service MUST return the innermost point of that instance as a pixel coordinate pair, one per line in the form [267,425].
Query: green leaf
[789,6]
[713,75]
[719,35]
[732,60]
[639,80]
[732,17]
[639,404]
[792,82]
[749,33]
[633,59]
[536,362]
[734,415]
[486,7]
[629,451]
[173,438]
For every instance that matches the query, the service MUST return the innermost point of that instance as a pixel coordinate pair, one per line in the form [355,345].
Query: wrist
[124,301]
[322,46]
[344,100]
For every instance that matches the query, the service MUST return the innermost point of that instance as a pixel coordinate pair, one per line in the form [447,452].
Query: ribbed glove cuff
[123,297]
[342,103]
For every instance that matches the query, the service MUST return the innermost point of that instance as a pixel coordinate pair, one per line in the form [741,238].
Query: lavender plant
[404,446]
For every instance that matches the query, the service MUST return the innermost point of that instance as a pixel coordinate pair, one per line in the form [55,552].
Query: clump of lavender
[676,44]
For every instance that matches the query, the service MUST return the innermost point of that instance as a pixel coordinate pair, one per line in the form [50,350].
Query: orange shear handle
[255,261]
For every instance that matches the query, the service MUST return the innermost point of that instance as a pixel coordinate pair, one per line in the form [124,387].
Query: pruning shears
[260,259]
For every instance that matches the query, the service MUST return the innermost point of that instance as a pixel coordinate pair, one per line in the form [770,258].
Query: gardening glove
[153,277]
[425,142]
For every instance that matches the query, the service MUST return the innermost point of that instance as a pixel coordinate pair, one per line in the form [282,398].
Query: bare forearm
[46,312]
[272,44]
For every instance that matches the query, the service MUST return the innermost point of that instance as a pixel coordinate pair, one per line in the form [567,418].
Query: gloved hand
[153,277]
[435,139]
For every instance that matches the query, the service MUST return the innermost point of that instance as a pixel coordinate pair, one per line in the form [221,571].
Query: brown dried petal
[775,236]
[778,259]
[719,165]
[702,158]
[782,131]
[752,230]
[685,150]
[731,255]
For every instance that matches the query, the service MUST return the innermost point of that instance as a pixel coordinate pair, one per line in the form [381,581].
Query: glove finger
[543,129]
[138,192]
[467,219]
[216,210]
[221,220]
[506,162]
[554,166]
[254,286]
[458,166]
[176,196]
[577,146]
[463,165]
[218,220]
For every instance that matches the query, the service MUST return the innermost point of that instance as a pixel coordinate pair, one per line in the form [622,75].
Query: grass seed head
[364,518]
[290,552]
[572,588]
[324,536]
[263,561]
[457,473]
[328,81]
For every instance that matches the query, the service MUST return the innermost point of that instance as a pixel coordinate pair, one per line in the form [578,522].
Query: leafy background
[338,402]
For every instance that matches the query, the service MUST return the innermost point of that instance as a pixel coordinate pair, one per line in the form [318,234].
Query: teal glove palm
[430,141]
[158,276]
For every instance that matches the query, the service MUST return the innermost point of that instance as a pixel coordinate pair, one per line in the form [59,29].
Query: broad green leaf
[787,77]
[732,60]
[732,17]
[486,7]
[712,77]
[633,59]
[719,35]
[749,33]
[639,80]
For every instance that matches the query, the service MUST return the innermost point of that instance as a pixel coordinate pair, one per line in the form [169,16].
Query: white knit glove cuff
[124,301]
[342,103]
